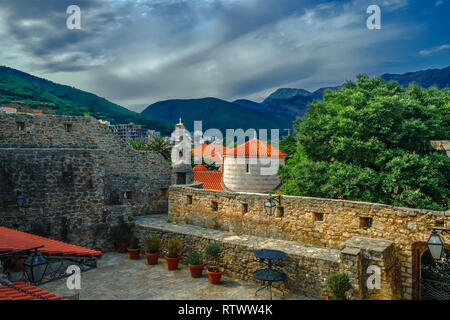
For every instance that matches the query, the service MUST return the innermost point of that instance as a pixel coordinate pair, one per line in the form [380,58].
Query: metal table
[270,274]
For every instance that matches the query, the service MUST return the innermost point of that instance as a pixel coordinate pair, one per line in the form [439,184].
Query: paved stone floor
[119,278]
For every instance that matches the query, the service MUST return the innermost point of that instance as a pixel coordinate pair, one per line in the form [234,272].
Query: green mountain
[27,91]
[289,103]
[214,113]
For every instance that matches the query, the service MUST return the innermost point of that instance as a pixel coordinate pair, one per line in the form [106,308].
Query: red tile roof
[258,148]
[11,240]
[200,167]
[212,180]
[7,293]
[214,152]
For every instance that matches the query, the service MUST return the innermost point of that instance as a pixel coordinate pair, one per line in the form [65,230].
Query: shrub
[212,250]
[134,243]
[339,284]
[173,247]
[121,232]
[152,244]
[195,259]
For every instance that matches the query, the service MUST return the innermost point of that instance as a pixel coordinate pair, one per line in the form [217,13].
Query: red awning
[12,240]
[7,293]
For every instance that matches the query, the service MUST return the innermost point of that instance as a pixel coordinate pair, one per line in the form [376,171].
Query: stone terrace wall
[300,221]
[36,150]
[63,192]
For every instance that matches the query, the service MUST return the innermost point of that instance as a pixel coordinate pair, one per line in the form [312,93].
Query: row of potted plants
[172,254]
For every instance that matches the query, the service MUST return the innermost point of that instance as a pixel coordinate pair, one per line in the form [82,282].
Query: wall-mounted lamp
[435,243]
[270,205]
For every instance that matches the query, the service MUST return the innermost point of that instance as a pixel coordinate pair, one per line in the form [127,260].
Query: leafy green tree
[160,146]
[370,141]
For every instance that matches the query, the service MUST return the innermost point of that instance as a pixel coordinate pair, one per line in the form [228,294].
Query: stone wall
[74,170]
[311,221]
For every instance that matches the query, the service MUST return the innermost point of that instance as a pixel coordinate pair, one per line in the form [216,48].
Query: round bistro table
[269,275]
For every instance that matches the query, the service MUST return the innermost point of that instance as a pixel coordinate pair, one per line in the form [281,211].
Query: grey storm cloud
[138,52]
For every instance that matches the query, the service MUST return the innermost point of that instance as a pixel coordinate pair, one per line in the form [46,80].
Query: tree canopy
[370,141]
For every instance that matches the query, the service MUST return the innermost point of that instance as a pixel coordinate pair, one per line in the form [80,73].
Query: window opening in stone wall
[244,208]
[68,127]
[318,216]
[214,205]
[189,199]
[127,194]
[365,223]
[20,125]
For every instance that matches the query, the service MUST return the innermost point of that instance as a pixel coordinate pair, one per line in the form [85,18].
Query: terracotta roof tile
[214,152]
[7,293]
[11,240]
[256,147]
[200,167]
[212,180]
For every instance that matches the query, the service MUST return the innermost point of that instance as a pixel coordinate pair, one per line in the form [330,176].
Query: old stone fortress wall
[76,178]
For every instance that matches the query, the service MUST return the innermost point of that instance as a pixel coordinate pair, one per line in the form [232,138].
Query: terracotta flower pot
[196,271]
[121,247]
[134,253]
[152,258]
[172,263]
[215,276]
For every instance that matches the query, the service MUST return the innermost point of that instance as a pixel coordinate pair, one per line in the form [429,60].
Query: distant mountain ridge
[289,103]
[214,113]
[23,89]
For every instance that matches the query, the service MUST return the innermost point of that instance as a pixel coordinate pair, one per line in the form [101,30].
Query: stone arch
[418,249]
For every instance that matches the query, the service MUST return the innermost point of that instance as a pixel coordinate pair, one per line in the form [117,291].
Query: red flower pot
[172,263]
[215,274]
[121,247]
[152,258]
[196,271]
[134,253]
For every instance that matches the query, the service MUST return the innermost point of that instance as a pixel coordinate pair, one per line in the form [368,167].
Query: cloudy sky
[136,52]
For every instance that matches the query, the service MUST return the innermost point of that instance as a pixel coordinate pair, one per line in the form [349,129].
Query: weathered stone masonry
[321,223]
[76,177]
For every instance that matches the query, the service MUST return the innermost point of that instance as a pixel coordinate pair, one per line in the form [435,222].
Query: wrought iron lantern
[19,199]
[35,267]
[270,205]
[435,243]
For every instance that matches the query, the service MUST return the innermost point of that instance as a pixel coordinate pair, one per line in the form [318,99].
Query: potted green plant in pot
[152,247]
[196,265]
[173,253]
[134,249]
[212,251]
[121,234]
[339,284]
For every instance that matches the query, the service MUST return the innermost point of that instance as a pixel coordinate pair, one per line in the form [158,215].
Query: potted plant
[121,234]
[152,247]
[339,284]
[212,251]
[134,249]
[196,265]
[173,253]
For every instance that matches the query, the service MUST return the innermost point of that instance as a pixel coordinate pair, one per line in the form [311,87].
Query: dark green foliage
[195,259]
[122,232]
[212,251]
[36,93]
[288,145]
[158,145]
[339,284]
[152,244]
[134,243]
[370,141]
[174,247]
